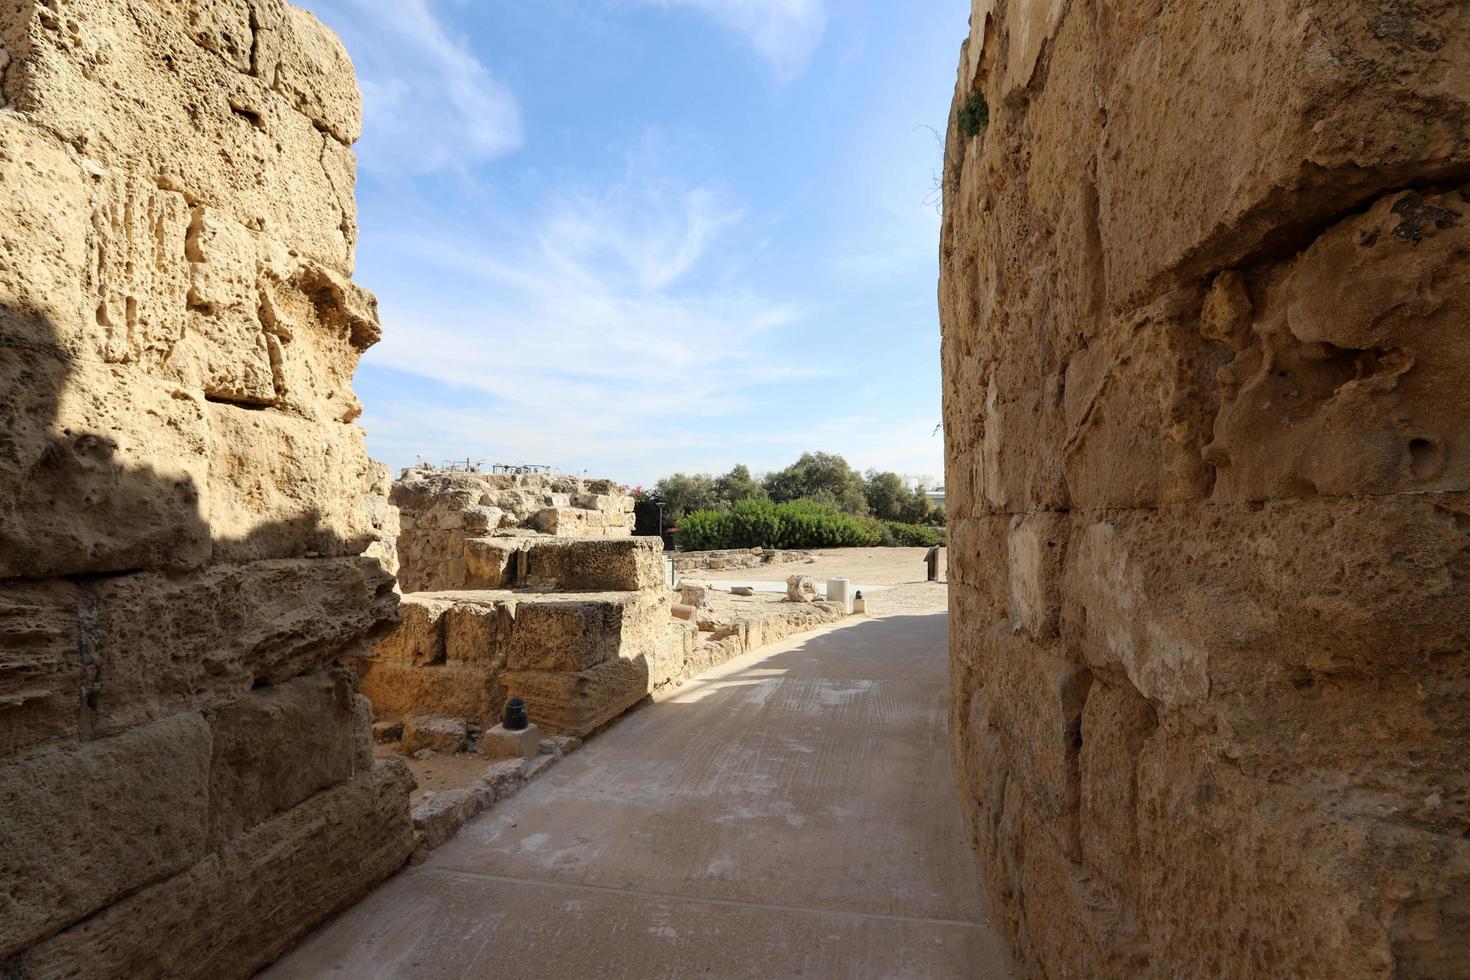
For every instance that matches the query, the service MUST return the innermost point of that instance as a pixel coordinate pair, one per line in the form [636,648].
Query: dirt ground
[893,579]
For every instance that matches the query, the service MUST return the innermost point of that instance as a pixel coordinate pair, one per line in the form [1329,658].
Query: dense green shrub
[762,524]
[896,534]
[706,530]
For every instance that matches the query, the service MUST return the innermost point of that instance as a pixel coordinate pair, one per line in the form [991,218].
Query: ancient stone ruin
[533,586]
[460,530]
[186,779]
[1206,279]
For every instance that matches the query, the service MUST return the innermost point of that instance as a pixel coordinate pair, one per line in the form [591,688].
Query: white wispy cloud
[784,32]
[429,104]
[579,330]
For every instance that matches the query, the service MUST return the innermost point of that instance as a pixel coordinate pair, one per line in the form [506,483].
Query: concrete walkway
[792,813]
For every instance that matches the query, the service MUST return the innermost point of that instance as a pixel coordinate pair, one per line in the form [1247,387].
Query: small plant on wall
[974,116]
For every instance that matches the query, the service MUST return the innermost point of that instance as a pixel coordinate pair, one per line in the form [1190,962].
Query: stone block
[418,638]
[1137,417]
[502,743]
[164,644]
[41,669]
[284,487]
[44,217]
[578,703]
[1116,722]
[1243,598]
[85,825]
[438,733]
[556,634]
[459,692]
[277,746]
[1039,719]
[619,565]
[1332,395]
[1036,548]
[489,563]
[259,894]
[477,635]
[103,470]
[314,73]
[1292,88]
[142,96]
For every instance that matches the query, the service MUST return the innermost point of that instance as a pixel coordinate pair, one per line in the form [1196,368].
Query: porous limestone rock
[801,588]
[463,530]
[437,733]
[1204,383]
[186,779]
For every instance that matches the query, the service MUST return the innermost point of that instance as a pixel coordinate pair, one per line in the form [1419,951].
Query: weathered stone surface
[801,588]
[41,668]
[277,746]
[1204,366]
[85,825]
[163,644]
[468,531]
[437,733]
[259,894]
[184,781]
[616,565]
[461,692]
[478,636]
[142,97]
[313,71]
[102,470]
[418,638]
[572,634]
[282,487]
[577,703]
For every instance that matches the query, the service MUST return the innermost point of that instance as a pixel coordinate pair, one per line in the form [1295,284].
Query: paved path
[791,813]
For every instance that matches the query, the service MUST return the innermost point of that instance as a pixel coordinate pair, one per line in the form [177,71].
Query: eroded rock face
[1205,379]
[186,779]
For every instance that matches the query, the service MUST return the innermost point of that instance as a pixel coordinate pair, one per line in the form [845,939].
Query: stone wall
[1205,285]
[459,529]
[186,780]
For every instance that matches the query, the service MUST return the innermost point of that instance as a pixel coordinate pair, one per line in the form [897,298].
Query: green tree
[886,495]
[684,493]
[819,476]
[738,485]
[916,507]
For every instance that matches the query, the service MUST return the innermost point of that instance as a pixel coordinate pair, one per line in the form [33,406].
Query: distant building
[936,496]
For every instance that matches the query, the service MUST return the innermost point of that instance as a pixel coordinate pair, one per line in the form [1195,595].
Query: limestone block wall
[1205,287]
[577,632]
[186,780]
[459,529]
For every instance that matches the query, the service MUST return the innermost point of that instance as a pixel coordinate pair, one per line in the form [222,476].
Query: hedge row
[762,524]
[797,524]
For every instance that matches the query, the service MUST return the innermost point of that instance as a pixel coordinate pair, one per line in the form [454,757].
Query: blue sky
[635,237]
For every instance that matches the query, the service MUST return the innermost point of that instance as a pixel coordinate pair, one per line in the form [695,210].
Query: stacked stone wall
[458,530]
[1205,286]
[186,779]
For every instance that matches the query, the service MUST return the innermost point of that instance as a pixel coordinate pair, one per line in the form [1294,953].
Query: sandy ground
[892,579]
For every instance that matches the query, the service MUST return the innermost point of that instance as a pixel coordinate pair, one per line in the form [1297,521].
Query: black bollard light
[516,719]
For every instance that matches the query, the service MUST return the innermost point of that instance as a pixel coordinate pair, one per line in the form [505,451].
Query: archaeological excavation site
[1182,692]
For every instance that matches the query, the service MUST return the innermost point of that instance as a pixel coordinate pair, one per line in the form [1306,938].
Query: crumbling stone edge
[441,814]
